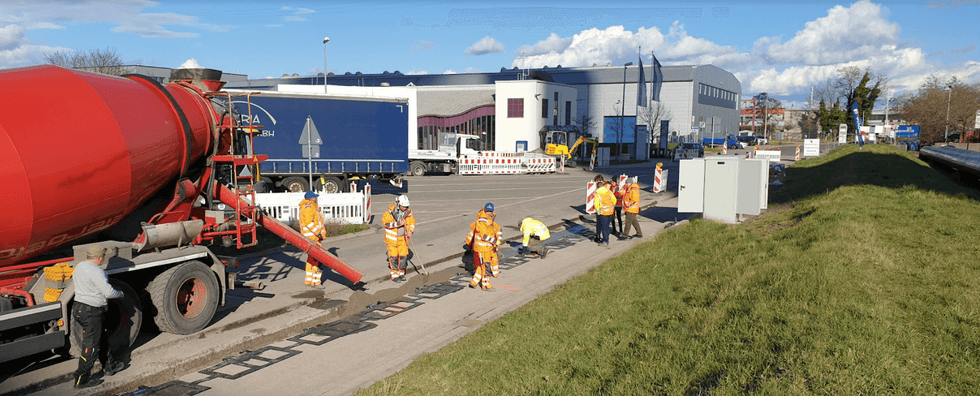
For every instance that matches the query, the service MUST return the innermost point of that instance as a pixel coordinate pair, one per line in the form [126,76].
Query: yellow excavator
[555,143]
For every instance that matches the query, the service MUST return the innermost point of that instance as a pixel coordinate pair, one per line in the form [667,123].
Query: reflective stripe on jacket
[631,200]
[605,201]
[484,236]
[311,221]
[391,225]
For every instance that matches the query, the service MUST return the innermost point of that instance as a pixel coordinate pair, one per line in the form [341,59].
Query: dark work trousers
[618,218]
[604,228]
[90,320]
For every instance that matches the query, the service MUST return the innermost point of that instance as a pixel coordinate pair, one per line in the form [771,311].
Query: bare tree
[928,107]
[105,61]
[652,115]
[584,123]
[766,105]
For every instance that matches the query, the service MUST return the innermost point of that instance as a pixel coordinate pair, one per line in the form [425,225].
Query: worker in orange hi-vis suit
[312,227]
[484,237]
[399,224]
[487,213]
[631,204]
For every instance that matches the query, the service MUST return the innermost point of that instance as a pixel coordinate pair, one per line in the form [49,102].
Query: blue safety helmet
[489,207]
[311,194]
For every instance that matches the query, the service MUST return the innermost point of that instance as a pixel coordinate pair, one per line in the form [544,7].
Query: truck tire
[123,320]
[330,185]
[295,184]
[185,297]
[417,168]
[571,163]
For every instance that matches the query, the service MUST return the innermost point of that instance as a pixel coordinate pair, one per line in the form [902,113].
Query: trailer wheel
[123,320]
[295,184]
[571,163]
[417,168]
[185,298]
[330,185]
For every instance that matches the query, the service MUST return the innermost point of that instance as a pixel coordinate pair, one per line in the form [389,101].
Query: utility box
[723,187]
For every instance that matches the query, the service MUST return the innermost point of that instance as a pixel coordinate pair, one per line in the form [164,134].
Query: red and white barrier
[771,155]
[797,153]
[493,163]
[590,197]
[367,202]
[660,179]
[724,147]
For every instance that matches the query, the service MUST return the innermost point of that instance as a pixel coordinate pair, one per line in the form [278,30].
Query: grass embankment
[861,279]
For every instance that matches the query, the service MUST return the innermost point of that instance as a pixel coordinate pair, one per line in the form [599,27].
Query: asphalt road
[260,339]
[444,206]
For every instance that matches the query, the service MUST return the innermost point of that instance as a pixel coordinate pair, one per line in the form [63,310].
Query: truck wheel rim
[192,298]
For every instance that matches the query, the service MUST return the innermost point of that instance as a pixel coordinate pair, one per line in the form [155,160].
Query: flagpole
[636,111]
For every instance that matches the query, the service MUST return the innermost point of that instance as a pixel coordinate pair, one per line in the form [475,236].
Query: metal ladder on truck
[242,165]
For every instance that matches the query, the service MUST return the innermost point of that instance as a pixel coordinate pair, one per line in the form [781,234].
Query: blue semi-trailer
[339,138]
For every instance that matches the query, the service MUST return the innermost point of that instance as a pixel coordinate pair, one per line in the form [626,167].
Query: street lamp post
[325,41]
[948,99]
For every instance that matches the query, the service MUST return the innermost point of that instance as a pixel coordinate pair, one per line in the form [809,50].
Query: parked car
[747,141]
[689,146]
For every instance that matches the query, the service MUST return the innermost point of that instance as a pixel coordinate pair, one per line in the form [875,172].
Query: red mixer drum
[79,151]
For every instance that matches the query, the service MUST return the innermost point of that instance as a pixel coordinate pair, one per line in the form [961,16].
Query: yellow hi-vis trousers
[313,273]
[480,275]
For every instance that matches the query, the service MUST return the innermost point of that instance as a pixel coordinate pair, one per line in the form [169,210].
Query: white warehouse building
[510,107]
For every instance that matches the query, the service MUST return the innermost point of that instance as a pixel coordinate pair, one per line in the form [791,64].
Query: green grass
[861,279]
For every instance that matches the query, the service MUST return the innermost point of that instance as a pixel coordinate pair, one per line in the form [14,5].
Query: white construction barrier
[343,208]
[771,155]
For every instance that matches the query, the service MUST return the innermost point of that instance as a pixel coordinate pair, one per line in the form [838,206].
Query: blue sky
[781,48]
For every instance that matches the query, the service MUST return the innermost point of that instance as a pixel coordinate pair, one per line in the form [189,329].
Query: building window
[568,113]
[515,108]
[544,108]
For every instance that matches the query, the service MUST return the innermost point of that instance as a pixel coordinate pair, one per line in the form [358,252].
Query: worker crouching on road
[312,227]
[605,205]
[399,223]
[535,235]
[92,290]
[631,203]
[483,239]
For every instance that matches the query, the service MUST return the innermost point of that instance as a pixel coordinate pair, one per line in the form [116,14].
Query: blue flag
[658,80]
[641,88]
[857,123]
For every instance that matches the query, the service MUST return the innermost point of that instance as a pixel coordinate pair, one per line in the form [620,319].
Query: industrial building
[600,101]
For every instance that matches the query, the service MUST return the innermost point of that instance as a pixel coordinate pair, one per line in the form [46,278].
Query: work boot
[545,254]
[113,367]
[84,381]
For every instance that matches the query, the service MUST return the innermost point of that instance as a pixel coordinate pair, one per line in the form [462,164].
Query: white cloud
[294,18]
[449,71]
[11,37]
[190,64]
[422,46]
[416,73]
[486,45]
[552,44]
[844,34]
[127,16]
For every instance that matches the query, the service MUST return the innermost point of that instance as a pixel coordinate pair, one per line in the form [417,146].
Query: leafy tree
[765,106]
[852,85]
[927,107]
[831,118]
[105,61]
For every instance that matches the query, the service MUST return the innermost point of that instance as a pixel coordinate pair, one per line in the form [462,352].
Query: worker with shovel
[399,224]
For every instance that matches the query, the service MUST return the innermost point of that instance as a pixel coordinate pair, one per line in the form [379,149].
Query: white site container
[723,187]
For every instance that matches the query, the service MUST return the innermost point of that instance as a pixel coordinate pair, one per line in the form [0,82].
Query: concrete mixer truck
[154,172]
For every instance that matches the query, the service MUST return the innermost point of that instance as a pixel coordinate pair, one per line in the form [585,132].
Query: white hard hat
[402,200]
